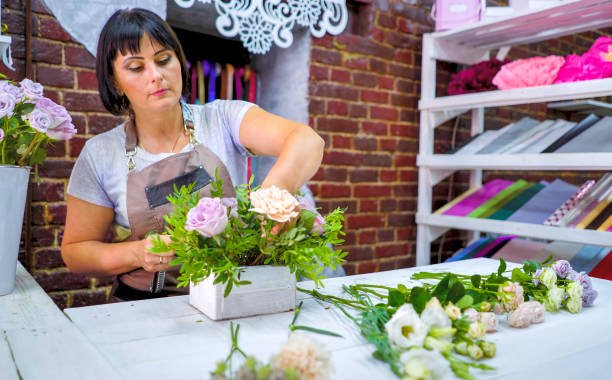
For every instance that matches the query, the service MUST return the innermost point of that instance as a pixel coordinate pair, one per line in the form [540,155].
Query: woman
[122,177]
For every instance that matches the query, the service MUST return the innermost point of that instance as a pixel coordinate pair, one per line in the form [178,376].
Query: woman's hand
[156,262]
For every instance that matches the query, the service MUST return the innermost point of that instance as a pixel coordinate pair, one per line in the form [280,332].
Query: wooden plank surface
[39,342]
[168,339]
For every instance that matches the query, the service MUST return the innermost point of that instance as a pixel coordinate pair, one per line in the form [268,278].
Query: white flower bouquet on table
[218,239]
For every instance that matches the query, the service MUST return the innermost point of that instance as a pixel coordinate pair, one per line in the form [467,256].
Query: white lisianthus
[574,289]
[548,277]
[477,330]
[554,297]
[452,311]
[489,320]
[574,305]
[434,315]
[405,328]
[475,352]
[424,364]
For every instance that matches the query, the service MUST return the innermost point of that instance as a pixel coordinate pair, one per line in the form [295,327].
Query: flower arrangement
[476,78]
[423,331]
[260,226]
[299,358]
[29,122]
[596,63]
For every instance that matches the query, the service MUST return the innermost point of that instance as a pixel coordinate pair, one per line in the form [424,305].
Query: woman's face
[151,78]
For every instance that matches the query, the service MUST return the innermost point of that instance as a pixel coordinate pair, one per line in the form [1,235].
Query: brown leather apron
[147,204]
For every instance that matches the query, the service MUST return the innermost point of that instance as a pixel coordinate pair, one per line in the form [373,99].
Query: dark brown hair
[122,33]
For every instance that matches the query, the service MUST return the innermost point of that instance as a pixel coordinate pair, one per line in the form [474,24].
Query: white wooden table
[169,339]
[37,341]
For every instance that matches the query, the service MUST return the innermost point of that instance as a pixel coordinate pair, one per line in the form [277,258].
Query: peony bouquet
[259,226]
[29,122]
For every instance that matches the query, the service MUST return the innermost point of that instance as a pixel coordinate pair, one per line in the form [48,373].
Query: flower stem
[34,144]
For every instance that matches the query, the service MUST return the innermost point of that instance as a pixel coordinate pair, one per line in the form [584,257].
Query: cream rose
[277,204]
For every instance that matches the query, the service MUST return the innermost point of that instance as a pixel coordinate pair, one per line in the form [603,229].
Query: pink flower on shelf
[596,63]
[529,72]
[208,217]
[475,78]
[31,90]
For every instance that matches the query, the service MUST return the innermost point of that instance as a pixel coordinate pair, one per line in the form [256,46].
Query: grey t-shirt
[99,175]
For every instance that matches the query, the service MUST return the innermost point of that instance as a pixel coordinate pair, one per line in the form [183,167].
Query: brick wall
[363,101]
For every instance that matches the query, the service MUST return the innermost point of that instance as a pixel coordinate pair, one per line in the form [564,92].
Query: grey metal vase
[13,192]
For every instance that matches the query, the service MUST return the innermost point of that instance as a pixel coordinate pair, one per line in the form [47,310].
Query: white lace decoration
[259,23]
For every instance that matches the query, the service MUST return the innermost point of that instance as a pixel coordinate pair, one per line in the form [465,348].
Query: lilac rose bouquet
[259,226]
[29,122]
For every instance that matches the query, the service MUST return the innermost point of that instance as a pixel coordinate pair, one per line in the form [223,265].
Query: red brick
[357,44]
[388,175]
[326,41]
[42,237]
[38,6]
[62,280]
[87,80]
[337,125]
[400,220]
[318,72]
[408,233]
[13,20]
[56,149]
[387,21]
[391,250]
[360,253]
[376,160]
[56,77]
[358,63]
[403,57]
[372,191]
[386,83]
[378,66]
[79,56]
[48,259]
[350,268]
[335,191]
[342,76]
[403,190]
[383,235]
[365,143]
[366,237]
[83,101]
[335,107]
[333,91]
[400,40]
[39,215]
[384,113]
[364,221]
[56,169]
[404,160]
[374,96]
[364,175]
[75,145]
[387,205]
[102,123]
[51,29]
[378,35]
[88,298]
[408,175]
[368,205]
[364,79]
[404,130]
[57,213]
[349,239]
[367,267]
[405,101]
[316,107]
[341,142]
[357,111]
[389,145]
[386,265]
[47,191]
[48,52]
[53,95]
[59,299]
[329,57]
[376,128]
[335,174]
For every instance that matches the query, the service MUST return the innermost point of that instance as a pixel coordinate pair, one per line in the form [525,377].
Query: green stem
[34,144]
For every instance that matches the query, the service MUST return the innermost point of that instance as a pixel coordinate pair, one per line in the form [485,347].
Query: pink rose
[208,217]
[535,71]
[17,92]
[63,131]
[31,90]
[277,204]
[7,104]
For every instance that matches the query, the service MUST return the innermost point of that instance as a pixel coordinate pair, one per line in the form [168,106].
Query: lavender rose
[40,119]
[562,268]
[1,134]
[588,297]
[17,92]
[31,90]
[232,204]
[7,104]
[208,217]
[63,131]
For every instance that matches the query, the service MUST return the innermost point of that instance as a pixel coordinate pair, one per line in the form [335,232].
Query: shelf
[540,94]
[543,161]
[583,106]
[569,17]
[520,229]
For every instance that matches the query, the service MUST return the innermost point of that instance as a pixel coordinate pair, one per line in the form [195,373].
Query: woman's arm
[298,147]
[84,249]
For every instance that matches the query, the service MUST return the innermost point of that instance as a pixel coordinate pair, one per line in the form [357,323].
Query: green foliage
[248,240]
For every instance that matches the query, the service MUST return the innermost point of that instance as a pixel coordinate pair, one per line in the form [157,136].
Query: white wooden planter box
[272,290]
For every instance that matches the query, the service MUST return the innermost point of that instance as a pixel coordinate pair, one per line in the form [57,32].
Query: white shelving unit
[470,45]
